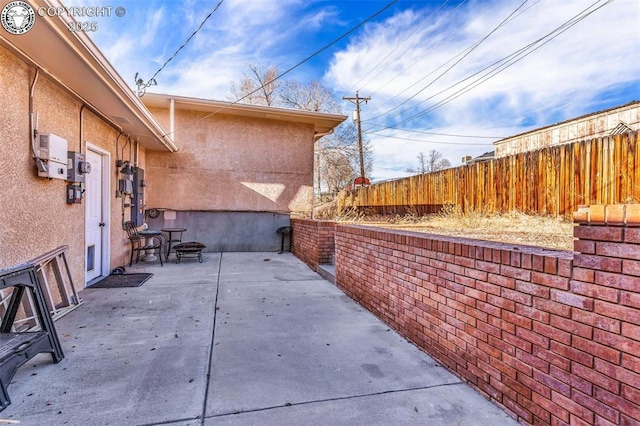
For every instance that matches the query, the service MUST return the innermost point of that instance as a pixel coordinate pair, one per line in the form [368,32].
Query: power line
[152,79]
[507,61]
[423,141]
[296,65]
[427,52]
[439,67]
[397,46]
[323,49]
[467,52]
[432,133]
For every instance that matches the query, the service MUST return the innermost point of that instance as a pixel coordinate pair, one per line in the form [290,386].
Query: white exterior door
[96,217]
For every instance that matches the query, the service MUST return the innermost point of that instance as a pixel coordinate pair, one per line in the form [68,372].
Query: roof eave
[323,123]
[74,61]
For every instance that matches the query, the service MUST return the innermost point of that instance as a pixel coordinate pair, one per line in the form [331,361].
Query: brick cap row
[608,214]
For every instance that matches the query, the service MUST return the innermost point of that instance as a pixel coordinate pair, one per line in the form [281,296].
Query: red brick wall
[312,241]
[553,337]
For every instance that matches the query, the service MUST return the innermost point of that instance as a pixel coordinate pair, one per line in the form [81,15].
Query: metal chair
[139,242]
[284,230]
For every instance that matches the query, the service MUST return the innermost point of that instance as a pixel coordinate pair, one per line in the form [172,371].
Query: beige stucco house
[240,172]
[231,174]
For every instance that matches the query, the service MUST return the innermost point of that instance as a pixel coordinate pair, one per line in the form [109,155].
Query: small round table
[148,235]
[170,239]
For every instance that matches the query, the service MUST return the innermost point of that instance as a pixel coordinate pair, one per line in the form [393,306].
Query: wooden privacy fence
[550,181]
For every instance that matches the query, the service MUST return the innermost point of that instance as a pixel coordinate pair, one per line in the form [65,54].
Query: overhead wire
[427,52]
[357,87]
[187,41]
[466,53]
[434,142]
[507,61]
[419,60]
[433,133]
[561,29]
[293,67]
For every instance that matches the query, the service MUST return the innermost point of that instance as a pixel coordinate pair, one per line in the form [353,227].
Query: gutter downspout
[172,118]
[81,126]
[317,136]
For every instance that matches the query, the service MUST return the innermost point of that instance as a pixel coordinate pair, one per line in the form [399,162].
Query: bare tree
[339,158]
[308,97]
[334,170]
[436,161]
[422,163]
[258,87]
[431,162]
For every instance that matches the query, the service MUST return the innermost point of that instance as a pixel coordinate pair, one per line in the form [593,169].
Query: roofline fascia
[84,47]
[231,106]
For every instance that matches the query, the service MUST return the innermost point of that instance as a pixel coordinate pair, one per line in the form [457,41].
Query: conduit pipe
[81,126]
[172,117]
[32,127]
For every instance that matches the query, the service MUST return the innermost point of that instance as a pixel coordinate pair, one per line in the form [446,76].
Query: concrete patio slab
[264,267]
[299,341]
[242,338]
[440,405]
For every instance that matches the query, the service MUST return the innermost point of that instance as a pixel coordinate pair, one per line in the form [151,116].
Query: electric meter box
[77,167]
[53,150]
[137,199]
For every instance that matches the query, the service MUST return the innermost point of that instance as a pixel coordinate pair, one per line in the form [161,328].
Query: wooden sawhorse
[16,348]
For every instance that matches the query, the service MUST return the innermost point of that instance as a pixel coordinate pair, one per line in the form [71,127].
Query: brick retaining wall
[553,337]
[312,241]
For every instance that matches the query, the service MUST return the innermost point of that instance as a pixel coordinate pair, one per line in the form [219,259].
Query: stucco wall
[229,163]
[34,215]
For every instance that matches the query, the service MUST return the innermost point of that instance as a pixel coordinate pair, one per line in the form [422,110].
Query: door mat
[122,280]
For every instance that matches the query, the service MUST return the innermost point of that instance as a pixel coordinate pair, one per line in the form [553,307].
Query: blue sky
[420,61]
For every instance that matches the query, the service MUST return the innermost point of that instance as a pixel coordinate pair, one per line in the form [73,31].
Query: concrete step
[328,272]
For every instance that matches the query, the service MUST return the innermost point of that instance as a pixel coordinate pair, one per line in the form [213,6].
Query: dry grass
[513,227]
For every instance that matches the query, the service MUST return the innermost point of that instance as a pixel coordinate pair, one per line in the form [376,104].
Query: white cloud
[318,19]
[391,59]
[152,26]
[569,74]
[239,33]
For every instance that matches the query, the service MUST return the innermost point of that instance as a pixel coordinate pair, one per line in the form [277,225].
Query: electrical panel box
[74,193]
[53,150]
[77,167]
[125,186]
[137,198]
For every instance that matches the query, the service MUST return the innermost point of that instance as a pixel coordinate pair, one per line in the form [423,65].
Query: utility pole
[357,101]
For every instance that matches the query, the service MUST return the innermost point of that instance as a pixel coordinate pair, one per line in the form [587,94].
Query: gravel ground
[514,228]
